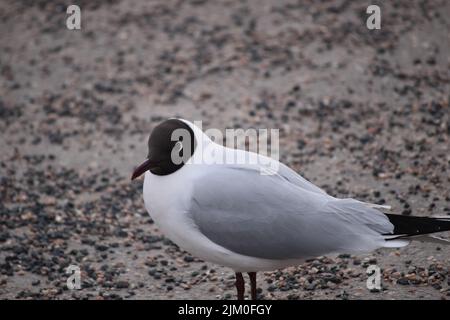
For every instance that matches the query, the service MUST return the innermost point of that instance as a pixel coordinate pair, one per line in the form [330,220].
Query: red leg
[240,285]
[252,276]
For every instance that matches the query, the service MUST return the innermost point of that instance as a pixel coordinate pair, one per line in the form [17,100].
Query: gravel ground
[361,113]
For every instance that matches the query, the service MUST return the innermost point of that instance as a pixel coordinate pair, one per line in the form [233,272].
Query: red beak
[144,166]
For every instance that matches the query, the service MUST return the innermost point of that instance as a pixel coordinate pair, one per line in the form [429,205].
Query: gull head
[170,145]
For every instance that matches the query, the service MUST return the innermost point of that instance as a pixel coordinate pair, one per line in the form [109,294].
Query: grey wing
[270,217]
[294,178]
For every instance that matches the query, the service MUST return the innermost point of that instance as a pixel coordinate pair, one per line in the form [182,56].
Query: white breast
[167,199]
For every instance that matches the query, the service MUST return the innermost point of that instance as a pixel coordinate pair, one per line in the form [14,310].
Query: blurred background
[361,113]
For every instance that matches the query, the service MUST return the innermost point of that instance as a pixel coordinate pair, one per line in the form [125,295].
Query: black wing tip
[407,226]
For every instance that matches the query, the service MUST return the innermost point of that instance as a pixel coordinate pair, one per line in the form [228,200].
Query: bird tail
[408,228]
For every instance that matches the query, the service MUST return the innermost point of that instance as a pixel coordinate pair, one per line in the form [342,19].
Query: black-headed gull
[232,215]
